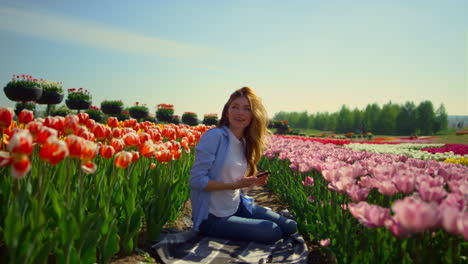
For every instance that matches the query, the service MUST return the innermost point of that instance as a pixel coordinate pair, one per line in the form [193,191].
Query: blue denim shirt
[209,160]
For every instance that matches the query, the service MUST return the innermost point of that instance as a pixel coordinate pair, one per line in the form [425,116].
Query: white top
[226,202]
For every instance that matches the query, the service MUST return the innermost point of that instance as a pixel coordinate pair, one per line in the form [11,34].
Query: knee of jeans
[290,227]
[272,233]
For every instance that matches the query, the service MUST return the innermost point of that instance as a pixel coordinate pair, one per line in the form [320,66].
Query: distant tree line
[390,119]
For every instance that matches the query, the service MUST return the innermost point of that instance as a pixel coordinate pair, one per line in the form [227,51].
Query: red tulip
[45,133]
[6,117]
[90,124]
[99,132]
[5,158]
[25,116]
[53,151]
[116,132]
[118,144]
[21,142]
[113,122]
[143,136]
[135,156]
[71,124]
[83,118]
[75,145]
[107,151]
[88,167]
[21,165]
[131,139]
[90,151]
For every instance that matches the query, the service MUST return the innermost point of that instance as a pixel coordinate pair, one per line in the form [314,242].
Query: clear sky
[300,55]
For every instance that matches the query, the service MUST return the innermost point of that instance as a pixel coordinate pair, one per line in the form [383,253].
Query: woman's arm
[241,183]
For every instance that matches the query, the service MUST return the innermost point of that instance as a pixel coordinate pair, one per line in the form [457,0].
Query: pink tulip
[429,193]
[309,181]
[357,194]
[449,217]
[324,242]
[404,184]
[415,215]
[396,228]
[370,216]
[462,225]
[387,188]
[455,200]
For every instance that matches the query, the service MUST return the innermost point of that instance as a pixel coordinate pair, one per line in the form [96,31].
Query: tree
[441,120]
[406,119]
[425,117]
[344,120]
[303,120]
[358,120]
[370,117]
[386,122]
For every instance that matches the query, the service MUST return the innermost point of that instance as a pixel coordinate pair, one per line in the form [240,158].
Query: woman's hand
[261,180]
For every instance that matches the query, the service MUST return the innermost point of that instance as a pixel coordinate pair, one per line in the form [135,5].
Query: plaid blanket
[190,247]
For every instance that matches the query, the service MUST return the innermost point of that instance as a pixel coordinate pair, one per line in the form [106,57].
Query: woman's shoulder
[215,132]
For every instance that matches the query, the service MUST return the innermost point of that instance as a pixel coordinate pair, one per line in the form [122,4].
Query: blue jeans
[262,225]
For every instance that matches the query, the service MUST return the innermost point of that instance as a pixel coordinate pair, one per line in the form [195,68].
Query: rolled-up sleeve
[205,155]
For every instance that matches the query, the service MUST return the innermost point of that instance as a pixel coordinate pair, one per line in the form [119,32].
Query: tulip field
[375,203]
[76,191]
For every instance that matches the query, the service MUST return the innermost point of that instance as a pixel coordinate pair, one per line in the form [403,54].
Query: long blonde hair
[255,133]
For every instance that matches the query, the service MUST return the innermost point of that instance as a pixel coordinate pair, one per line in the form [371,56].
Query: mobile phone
[262,174]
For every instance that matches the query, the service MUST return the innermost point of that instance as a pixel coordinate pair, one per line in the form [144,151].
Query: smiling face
[239,114]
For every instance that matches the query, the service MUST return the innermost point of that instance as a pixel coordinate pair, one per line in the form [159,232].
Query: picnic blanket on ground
[190,247]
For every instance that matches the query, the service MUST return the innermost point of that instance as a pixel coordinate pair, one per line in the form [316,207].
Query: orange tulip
[131,139]
[163,156]
[147,149]
[25,116]
[123,159]
[21,142]
[107,151]
[176,154]
[118,144]
[6,117]
[21,165]
[53,151]
[153,165]
[169,133]
[113,122]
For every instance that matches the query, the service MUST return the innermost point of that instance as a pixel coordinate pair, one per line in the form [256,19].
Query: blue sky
[298,55]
